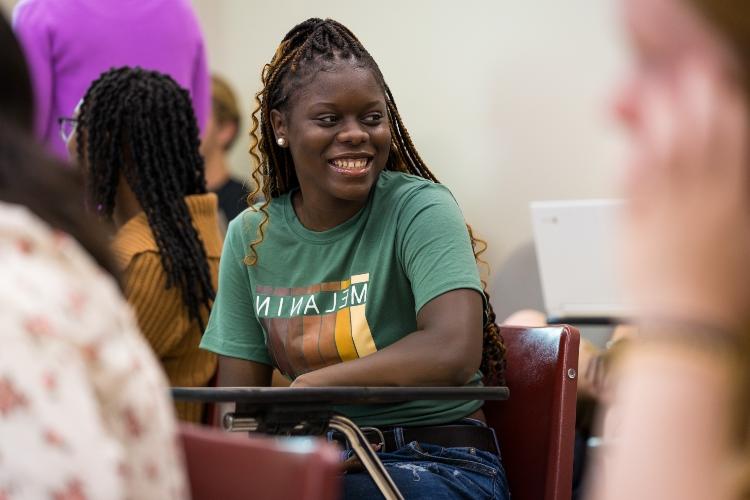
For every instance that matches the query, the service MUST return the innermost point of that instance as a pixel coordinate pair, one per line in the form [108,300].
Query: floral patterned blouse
[84,407]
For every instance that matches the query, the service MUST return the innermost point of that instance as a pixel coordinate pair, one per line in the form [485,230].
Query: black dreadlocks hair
[310,47]
[141,124]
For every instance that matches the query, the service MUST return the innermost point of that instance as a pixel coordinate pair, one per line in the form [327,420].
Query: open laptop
[577,251]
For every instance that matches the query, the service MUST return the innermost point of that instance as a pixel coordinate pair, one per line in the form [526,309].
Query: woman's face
[667,36]
[336,128]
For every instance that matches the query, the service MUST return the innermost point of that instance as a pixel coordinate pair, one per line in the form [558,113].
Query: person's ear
[226,134]
[278,123]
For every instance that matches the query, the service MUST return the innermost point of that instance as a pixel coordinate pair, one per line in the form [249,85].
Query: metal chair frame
[308,411]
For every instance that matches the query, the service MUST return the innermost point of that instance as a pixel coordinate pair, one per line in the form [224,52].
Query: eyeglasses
[67,127]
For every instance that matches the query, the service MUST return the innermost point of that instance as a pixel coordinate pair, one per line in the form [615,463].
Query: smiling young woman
[358,268]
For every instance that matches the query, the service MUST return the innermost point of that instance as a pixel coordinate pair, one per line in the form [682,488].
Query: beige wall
[6,6]
[505,99]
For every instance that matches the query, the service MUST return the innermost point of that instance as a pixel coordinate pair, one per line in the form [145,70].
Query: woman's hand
[445,350]
[305,380]
[688,223]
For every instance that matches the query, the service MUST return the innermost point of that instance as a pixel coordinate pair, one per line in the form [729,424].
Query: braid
[307,48]
[140,124]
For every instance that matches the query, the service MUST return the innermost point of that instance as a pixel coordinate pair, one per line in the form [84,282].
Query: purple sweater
[69,43]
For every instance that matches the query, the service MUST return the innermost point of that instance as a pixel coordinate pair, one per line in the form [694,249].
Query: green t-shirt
[318,298]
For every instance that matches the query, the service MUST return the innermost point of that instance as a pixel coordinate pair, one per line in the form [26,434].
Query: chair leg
[367,456]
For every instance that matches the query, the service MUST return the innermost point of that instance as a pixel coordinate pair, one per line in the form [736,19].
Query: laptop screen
[578,253]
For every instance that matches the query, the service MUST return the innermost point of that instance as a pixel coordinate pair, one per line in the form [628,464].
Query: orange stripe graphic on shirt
[315,326]
[344,340]
[309,333]
[329,354]
[310,348]
[279,327]
[295,334]
[361,335]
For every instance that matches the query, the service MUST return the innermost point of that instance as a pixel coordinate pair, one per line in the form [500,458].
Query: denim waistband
[456,434]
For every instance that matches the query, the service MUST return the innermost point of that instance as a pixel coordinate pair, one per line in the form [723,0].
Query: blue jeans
[422,470]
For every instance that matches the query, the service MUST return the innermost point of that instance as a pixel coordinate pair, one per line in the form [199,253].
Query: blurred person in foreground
[678,425]
[68,43]
[84,410]
[221,132]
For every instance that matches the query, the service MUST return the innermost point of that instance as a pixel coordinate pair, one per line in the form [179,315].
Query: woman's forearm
[419,359]
[675,450]
[445,350]
[235,372]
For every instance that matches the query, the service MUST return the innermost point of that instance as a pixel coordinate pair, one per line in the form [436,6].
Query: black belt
[447,436]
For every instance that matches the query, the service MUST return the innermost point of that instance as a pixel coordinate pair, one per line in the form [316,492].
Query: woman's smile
[351,166]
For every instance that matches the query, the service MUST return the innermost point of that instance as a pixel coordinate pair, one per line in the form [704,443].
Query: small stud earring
[281,141]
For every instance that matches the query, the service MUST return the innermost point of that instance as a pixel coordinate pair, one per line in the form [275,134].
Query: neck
[126,205]
[321,217]
[217,173]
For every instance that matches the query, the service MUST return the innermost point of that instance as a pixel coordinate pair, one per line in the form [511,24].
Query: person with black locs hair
[358,269]
[310,47]
[136,140]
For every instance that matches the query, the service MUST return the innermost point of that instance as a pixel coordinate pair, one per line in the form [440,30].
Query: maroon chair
[234,467]
[536,426]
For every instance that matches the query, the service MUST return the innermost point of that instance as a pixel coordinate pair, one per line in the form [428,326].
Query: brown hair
[224,106]
[16,99]
[731,19]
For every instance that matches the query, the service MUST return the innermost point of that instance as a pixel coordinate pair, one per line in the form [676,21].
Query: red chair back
[536,426]
[235,466]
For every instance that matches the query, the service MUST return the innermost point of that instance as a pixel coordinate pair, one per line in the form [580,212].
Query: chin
[353,194]
[355,189]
